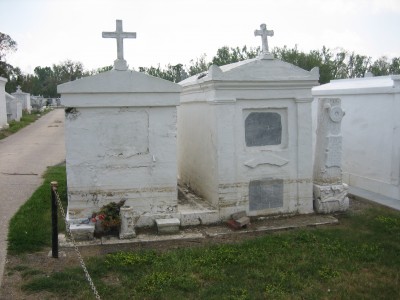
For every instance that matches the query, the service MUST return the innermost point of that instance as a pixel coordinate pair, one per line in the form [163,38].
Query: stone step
[168,226]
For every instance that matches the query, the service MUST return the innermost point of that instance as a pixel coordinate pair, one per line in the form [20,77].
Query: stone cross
[264,33]
[120,64]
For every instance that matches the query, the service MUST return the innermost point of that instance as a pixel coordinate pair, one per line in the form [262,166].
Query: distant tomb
[24,98]
[245,136]
[3,105]
[14,108]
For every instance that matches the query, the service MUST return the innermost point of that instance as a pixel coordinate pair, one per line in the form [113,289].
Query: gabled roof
[119,82]
[257,69]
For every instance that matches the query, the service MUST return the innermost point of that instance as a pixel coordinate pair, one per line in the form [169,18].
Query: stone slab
[82,232]
[168,226]
[243,221]
[239,214]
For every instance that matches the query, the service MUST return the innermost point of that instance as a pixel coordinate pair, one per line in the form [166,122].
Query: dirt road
[24,157]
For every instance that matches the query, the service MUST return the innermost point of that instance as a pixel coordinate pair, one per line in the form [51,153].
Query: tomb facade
[14,108]
[245,136]
[120,132]
[24,98]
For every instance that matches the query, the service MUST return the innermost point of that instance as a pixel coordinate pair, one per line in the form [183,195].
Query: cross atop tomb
[120,63]
[264,33]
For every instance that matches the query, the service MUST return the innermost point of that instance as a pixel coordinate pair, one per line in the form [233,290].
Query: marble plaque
[265,193]
[263,129]
[334,152]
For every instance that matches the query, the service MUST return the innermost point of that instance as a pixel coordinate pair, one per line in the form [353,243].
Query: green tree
[395,66]
[226,55]
[7,44]
[381,67]
[97,71]
[198,66]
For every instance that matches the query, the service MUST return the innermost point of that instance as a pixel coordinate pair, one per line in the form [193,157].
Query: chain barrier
[89,279]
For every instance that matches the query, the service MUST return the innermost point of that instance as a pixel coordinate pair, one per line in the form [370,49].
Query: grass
[26,119]
[30,227]
[358,259]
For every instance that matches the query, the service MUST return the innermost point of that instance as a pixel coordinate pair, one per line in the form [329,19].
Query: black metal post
[54,220]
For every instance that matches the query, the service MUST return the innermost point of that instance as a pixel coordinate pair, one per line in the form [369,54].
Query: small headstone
[168,226]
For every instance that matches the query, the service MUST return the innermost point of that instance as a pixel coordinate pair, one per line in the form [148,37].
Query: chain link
[89,279]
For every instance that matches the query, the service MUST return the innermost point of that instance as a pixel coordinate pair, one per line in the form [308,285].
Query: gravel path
[24,157]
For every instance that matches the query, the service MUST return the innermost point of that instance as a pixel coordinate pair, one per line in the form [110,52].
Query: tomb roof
[119,82]
[257,69]
[364,85]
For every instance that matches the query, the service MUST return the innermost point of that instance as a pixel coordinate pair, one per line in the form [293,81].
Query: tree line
[333,64]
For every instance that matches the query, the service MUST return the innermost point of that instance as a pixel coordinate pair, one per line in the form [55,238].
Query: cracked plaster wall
[120,153]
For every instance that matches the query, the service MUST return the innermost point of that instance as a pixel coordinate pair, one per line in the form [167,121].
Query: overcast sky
[175,31]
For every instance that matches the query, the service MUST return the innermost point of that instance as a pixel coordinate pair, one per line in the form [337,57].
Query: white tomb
[24,98]
[120,133]
[14,108]
[3,106]
[370,130]
[245,136]
[38,103]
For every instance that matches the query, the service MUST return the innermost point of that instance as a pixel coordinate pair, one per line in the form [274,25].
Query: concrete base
[330,198]
[168,226]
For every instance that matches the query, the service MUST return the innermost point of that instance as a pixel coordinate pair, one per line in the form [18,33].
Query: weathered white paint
[3,107]
[14,108]
[121,143]
[24,98]
[370,130]
[213,158]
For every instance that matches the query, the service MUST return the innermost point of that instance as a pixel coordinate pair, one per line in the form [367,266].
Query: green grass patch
[26,119]
[30,227]
[358,259]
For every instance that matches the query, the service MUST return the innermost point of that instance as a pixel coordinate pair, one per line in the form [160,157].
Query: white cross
[119,35]
[264,33]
